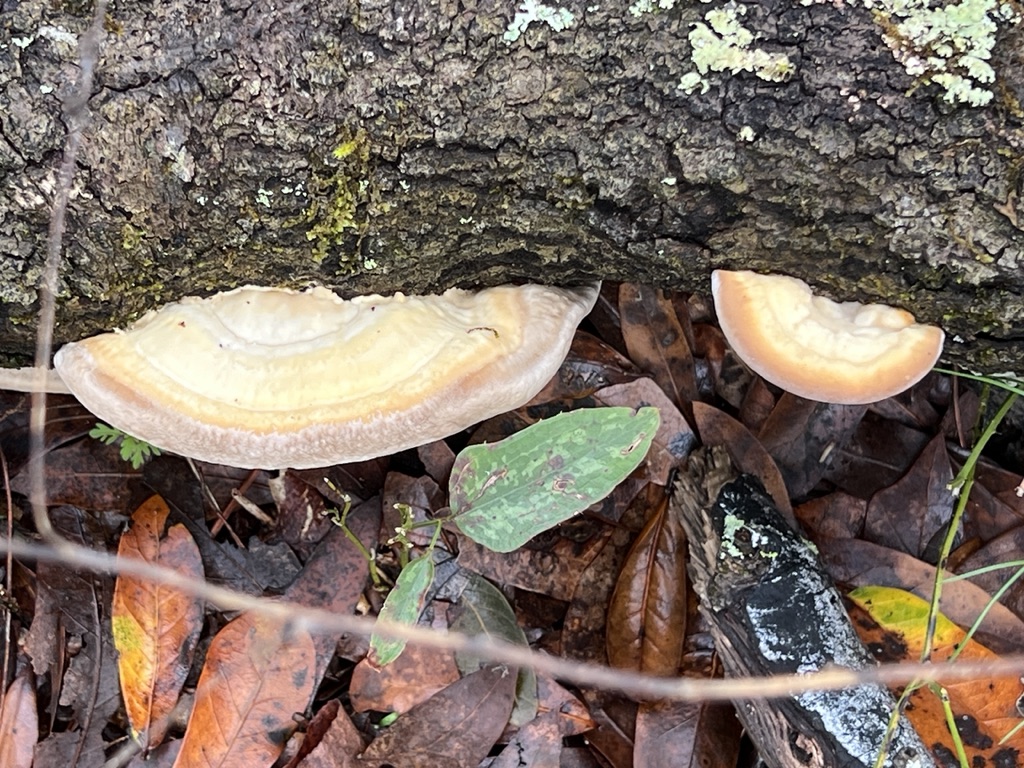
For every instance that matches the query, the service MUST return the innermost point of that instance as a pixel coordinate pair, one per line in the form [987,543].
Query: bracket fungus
[268,378]
[819,349]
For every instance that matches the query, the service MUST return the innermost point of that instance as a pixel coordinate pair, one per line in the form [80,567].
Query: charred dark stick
[774,610]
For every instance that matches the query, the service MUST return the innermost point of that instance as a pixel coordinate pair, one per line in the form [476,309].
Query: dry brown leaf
[302,519]
[478,706]
[156,627]
[674,439]
[537,744]
[835,516]
[802,436]
[879,454]
[747,453]
[657,342]
[338,747]
[1001,550]
[336,574]
[258,674]
[414,677]
[87,474]
[910,514]
[675,734]
[647,612]
[590,365]
[554,570]
[19,723]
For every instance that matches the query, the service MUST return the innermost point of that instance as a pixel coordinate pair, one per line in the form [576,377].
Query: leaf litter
[869,485]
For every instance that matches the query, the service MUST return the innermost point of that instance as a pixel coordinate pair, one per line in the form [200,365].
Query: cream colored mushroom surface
[270,378]
[817,348]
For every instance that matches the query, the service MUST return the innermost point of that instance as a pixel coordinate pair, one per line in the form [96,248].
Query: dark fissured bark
[407,145]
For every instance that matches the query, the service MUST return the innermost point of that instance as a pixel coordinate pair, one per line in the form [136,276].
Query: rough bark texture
[773,609]
[408,145]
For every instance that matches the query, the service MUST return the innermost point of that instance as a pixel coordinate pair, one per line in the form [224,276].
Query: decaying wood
[774,610]
[418,145]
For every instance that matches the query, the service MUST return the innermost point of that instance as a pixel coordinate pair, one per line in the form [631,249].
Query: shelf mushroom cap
[268,378]
[819,349]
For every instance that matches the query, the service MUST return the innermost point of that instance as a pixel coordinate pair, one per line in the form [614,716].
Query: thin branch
[76,113]
[635,684]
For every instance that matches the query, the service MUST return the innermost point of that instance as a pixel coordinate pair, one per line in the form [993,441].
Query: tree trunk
[414,145]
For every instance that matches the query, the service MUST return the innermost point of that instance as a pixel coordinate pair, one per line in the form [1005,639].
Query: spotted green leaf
[505,493]
[403,606]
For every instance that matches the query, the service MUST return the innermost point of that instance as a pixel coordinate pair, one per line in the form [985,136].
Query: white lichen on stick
[948,45]
[531,11]
[723,44]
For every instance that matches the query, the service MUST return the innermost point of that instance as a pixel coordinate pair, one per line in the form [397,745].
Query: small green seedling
[503,494]
[138,452]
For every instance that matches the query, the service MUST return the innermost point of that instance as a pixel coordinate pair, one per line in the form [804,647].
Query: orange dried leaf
[258,674]
[155,626]
[985,709]
[647,613]
[19,723]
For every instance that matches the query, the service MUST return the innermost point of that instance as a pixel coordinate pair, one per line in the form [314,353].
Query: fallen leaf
[914,512]
[339,745]
[258,674]
[336,575]
[156,627]
[748,455]
[802,436]
[302,519]
[478,706]
[552,570]
[647,612]
[71,613]
[19,723]
[859,563]
[834,516]
[985,709]
[674,439]
[590,365]
[878,455]
[657,342]
[414,677]
[675,734]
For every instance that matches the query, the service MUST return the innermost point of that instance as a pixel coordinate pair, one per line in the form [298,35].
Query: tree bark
[416,145]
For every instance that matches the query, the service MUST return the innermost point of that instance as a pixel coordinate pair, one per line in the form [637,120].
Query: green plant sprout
[960,486]
[133,450]
[503,494]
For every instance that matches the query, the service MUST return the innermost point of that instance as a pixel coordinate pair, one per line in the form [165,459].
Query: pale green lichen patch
[723,44]
[640,7]
[531,11]
[947,45]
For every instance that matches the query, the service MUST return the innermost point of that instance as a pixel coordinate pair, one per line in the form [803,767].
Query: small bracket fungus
[266,378]
[819,349]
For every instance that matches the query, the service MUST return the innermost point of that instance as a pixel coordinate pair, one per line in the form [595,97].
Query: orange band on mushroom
[817,348]
[265,377]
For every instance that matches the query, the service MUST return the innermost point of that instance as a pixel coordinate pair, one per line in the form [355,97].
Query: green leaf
[403,606]
[485,611]
[138,452]
[504,494]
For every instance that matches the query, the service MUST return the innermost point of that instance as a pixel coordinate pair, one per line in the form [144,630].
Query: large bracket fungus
[267,378]
[819,349]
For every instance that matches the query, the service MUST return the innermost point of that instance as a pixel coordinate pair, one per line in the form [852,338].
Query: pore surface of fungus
[817,348]
[269,378]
